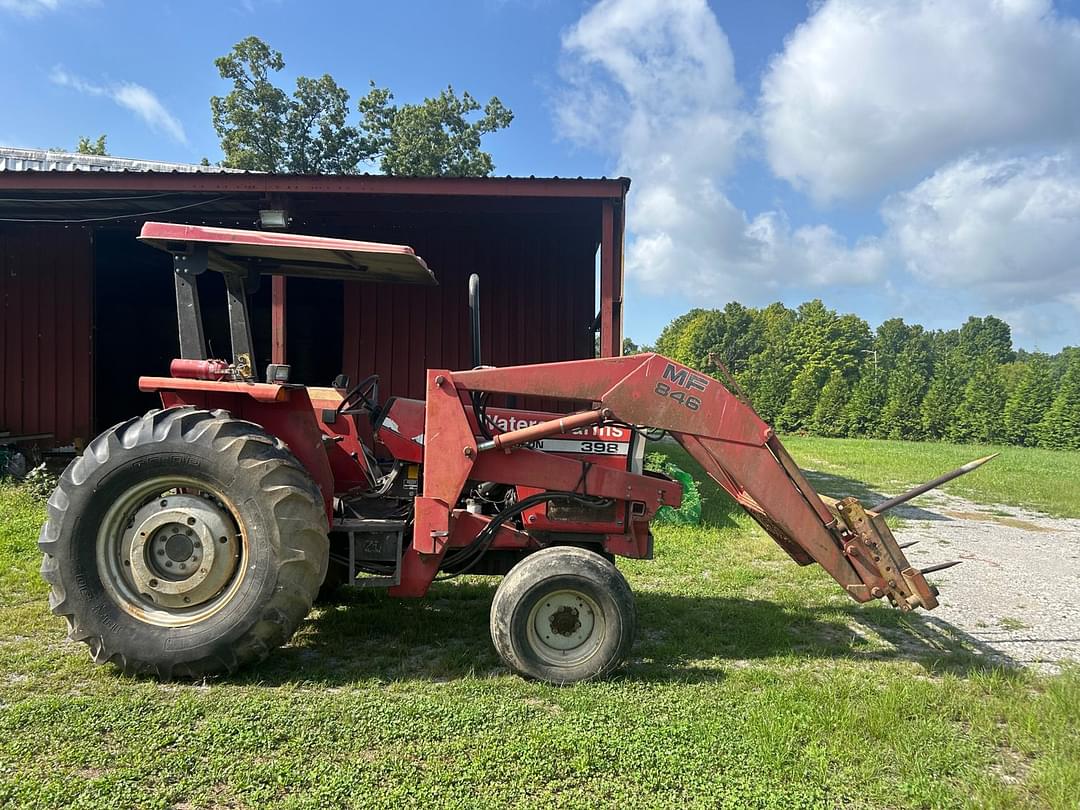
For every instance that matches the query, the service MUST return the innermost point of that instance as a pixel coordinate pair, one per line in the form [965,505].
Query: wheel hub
[179,547]
[564,621]
[565,625]
[180,551]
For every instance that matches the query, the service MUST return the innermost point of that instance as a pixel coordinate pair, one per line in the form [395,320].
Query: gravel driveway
[1017,594]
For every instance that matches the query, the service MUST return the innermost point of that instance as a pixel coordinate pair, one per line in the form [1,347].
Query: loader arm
[721,431]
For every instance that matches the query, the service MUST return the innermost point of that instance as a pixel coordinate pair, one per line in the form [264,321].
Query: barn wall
[537,291]
[46,349]
[536,264]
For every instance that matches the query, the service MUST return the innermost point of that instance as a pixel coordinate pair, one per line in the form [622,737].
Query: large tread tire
[563,570]
[277,505]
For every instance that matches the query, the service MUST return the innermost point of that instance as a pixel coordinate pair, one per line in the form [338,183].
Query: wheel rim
[170,551]
[566,628]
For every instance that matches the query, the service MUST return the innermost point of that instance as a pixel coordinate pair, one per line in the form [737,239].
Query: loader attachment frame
[720,430]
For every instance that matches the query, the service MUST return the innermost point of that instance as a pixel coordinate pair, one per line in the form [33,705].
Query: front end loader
[193,540]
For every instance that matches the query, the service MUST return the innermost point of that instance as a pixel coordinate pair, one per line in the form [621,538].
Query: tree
[946,389]
[1029,401]
[907,381]
[980,417]
[89,147]
[803,400]
[668,342]
[989,338]
[262,128]
[767,377]
[829,417]
[1060,427]
[434,137]
[820,342]
[863,412]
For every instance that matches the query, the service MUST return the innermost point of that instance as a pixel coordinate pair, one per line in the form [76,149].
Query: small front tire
[563,615]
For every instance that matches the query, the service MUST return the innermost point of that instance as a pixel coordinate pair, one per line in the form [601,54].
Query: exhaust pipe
[914,492]
[474,317]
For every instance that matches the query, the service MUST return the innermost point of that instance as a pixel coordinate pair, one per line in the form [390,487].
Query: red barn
[85,309]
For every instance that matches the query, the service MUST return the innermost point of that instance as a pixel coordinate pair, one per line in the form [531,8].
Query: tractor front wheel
[184,543]
[563,615]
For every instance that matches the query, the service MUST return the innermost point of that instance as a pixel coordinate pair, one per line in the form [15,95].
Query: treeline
[811,369]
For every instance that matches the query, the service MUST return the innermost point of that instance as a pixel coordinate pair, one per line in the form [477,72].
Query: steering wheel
[358,395]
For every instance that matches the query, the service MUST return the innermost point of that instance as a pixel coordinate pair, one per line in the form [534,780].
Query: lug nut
[191,522]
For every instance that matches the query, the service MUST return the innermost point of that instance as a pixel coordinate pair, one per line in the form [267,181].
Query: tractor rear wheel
[184,543]
[563,615]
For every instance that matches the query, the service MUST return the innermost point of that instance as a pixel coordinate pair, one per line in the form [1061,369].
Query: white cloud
[1006,230]
[131,96]
[869,93]
[654,83]
[29,8]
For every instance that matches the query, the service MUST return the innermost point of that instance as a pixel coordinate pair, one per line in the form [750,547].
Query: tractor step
[374,545]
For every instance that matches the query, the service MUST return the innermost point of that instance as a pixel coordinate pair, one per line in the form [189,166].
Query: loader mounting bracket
[871,544]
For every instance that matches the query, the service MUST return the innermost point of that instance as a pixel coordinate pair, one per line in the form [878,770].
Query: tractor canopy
[232,250]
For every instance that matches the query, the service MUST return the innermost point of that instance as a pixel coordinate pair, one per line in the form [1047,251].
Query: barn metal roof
[43,171]
[16,159]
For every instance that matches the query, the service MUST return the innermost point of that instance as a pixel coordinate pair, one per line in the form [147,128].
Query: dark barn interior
[86,309]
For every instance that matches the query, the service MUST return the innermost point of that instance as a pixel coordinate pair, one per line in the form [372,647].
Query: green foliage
[907,383]
[987,338]
[1060,428]
[812,369]
[1029,401]
[263,128]
[829,417]
[434,137]
[801,402]
[91,147]
[980,417]
[863,412]
[946,390]
[668,342]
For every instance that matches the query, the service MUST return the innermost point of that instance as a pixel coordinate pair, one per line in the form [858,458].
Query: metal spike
[914,492]
[940,567]
[908,545]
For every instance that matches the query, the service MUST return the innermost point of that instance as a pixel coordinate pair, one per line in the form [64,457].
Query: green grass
[1044,480]
[753,683]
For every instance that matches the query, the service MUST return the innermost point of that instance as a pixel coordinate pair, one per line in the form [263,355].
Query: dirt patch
[1004,520]
[1016,598]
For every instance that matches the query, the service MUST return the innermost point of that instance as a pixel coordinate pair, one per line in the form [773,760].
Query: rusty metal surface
[871,547]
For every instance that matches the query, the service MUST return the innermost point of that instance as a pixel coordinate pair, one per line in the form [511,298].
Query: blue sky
[892,157]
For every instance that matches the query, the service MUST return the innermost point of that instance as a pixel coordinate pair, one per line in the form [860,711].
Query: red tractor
[194,539]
